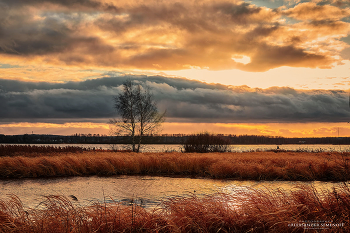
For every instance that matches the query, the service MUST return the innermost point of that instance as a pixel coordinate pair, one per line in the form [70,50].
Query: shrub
[205,142]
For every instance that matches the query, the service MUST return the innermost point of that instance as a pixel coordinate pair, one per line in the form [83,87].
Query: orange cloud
[32,73]
[51,128]
[312,11]
[163,35]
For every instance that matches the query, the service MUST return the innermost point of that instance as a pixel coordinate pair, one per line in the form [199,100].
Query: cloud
[166,35]
[314,11]
[67,4]
[185,101]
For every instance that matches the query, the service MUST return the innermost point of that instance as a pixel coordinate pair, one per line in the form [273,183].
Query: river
[147,191]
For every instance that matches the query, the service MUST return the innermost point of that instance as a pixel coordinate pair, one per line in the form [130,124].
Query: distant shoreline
[167,139]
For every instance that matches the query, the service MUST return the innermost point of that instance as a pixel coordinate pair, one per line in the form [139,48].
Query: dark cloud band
[184,100]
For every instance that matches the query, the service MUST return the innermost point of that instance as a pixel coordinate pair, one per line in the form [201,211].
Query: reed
[301,166]
[34,150]
[249,210]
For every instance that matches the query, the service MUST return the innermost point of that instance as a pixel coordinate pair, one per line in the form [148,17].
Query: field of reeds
[34,150]
[303,209]
[284,165]
[13,150]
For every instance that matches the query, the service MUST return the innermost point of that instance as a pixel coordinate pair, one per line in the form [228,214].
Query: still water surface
[233,148]
[145,190]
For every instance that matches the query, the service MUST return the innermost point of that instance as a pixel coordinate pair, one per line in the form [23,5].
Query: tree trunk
[133,139]
[138,146]
[140,138]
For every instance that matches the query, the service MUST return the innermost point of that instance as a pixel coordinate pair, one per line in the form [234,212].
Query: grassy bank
[245,211]
[326,166]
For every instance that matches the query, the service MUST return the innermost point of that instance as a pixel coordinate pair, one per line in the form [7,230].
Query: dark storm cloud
[76,4]
[239,13]
[23,36]
[184,100]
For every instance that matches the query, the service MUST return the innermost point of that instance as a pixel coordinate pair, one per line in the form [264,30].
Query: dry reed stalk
[245,210]
[33,150]
[252,166]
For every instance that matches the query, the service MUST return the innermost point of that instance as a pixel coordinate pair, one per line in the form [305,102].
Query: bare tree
[138,113]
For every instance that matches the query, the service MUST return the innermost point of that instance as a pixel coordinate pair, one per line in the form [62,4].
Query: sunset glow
[274,67]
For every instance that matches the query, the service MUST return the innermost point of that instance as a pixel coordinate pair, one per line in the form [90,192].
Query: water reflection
[233,148]
[144,190]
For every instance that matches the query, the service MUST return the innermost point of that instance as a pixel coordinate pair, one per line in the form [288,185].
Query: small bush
[205,143]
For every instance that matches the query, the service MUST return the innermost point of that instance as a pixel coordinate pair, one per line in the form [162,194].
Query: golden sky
[271,67]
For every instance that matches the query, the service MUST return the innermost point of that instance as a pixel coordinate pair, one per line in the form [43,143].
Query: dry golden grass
[245,211]
[33,150]
[326,166]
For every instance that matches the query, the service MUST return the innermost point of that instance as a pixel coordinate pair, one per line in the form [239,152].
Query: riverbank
[274,165]
[253,210]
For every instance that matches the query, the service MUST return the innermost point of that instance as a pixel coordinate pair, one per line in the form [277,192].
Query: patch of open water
[147,191]
[233,148]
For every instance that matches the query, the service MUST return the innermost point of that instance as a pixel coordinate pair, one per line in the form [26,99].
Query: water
[233,148]
[147,191]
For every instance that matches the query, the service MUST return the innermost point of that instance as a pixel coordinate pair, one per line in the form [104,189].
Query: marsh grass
[325,166]
[34,150]
[247,210]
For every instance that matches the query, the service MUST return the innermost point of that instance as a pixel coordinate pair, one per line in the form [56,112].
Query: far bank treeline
[165,139]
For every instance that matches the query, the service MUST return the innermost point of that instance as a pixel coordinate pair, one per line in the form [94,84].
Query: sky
[262,67]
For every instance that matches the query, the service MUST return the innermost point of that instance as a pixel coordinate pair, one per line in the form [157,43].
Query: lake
[233,148]
[147,191]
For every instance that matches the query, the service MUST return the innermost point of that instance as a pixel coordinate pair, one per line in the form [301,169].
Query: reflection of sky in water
[233,148]
[144,190]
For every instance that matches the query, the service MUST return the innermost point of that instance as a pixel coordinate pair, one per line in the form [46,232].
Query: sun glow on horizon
[266,129]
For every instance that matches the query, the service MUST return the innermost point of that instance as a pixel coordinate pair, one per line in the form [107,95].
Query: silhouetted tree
[138,113]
